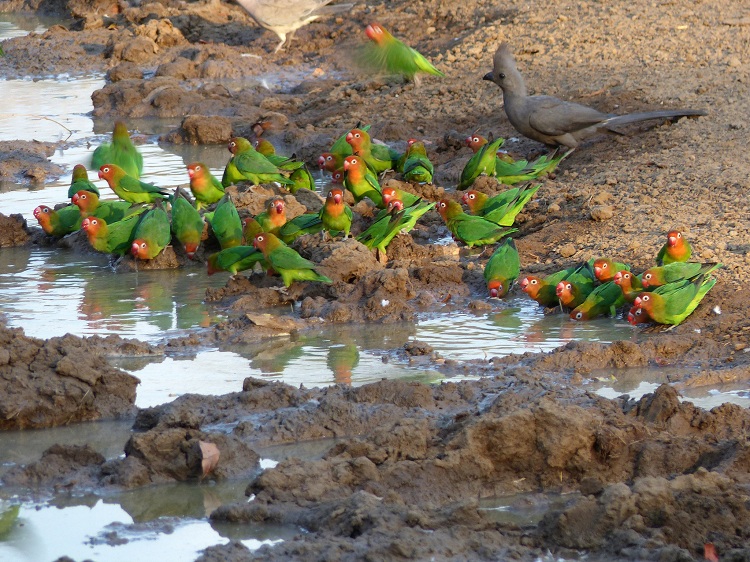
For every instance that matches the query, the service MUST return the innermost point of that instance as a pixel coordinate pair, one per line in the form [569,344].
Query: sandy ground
[656,479]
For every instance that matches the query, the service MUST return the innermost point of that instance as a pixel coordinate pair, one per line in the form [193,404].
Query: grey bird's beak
[489,77]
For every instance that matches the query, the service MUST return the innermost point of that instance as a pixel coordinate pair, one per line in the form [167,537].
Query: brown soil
[657,479]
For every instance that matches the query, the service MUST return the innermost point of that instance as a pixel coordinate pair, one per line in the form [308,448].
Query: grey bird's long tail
[671,114]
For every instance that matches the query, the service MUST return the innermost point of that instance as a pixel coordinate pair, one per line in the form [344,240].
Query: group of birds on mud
[139,224]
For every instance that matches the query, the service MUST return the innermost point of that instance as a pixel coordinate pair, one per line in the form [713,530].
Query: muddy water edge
[412,467]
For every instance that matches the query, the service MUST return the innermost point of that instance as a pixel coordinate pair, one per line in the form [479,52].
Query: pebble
[567,250]
[602,212]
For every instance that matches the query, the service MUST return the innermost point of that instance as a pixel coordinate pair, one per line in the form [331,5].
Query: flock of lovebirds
[148,218]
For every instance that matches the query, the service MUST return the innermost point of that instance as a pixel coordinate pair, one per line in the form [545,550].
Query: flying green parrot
[206,188]
[58,222]
[225,223]
[378,157]
[630,284]
[408,199]
[273,218]
[502,269]
[676,248]
[544,290]
[90,205]
[120,152]
[286,261]
[471,230]
[675,271]
[234,259]
[335,215]
[187,223]
[605,269]
[80,182]
[151,235]
[115,238]
[673,302]
[247,164]
[503,208]
[360,180]
[482,162]
[604,299]
[385,53]
[128,188]
[417,167]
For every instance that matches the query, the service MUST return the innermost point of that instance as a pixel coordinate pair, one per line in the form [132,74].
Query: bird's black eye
[501,75]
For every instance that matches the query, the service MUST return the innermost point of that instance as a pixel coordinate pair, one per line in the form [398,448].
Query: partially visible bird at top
[554,121]
[284,17]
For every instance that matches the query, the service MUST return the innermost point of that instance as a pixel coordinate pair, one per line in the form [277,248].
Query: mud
[656,479]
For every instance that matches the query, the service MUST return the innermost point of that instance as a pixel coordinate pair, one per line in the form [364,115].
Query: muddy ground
[656,479]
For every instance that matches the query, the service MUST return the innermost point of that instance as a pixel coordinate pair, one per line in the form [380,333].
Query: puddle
[518,328]
[52,292]
[167,522]
[524,510]
[636,382]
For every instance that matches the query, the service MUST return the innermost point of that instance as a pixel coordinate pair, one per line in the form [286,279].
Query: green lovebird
[672,303]
[247,164]
[112,238]
[273,218]
[378,157]
[120,152]
[206,188]
[417,167]
[677,248]
[676,271]
[151,235]
[574,290]
[225,223]
[233,260]
[330,161]
[286,261]
[471,230]
[308,223]
[187,223]
[503,208]
[250,229]
[603,300]
[509,171]
[361,181]
[335,215]
[301,178]
[385,53]
[80,182]
[408,199]
[90,205]
[630,285]
[403,220]
[605,269]
[128,188]
[544,290]
[482,162]
[58,222]
[341,147]
[268,150]
[502,269]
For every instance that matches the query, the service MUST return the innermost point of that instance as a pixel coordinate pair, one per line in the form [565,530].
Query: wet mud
[650,479]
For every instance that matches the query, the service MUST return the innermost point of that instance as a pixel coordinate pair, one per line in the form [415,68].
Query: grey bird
[284,17]
[553,121]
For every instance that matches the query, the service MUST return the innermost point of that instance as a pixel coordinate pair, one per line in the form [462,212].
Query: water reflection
[51,292]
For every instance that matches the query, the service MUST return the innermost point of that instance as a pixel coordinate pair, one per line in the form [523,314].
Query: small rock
[602,212]
[567,250]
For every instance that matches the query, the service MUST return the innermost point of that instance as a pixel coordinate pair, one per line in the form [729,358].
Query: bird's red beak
[347,165]
[637,302]
[465,198]
[560,289]
[597,271]
[134,249]
[279,206]
[101,176]
[337,198]
[349,135]
[191,172]
[85,224]
[75,199]
[524,283]
[321,162]
[672,240]
[618,278]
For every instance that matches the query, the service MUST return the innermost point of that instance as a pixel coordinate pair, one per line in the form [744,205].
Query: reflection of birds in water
[284,17]
[273,360]
[342,360]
